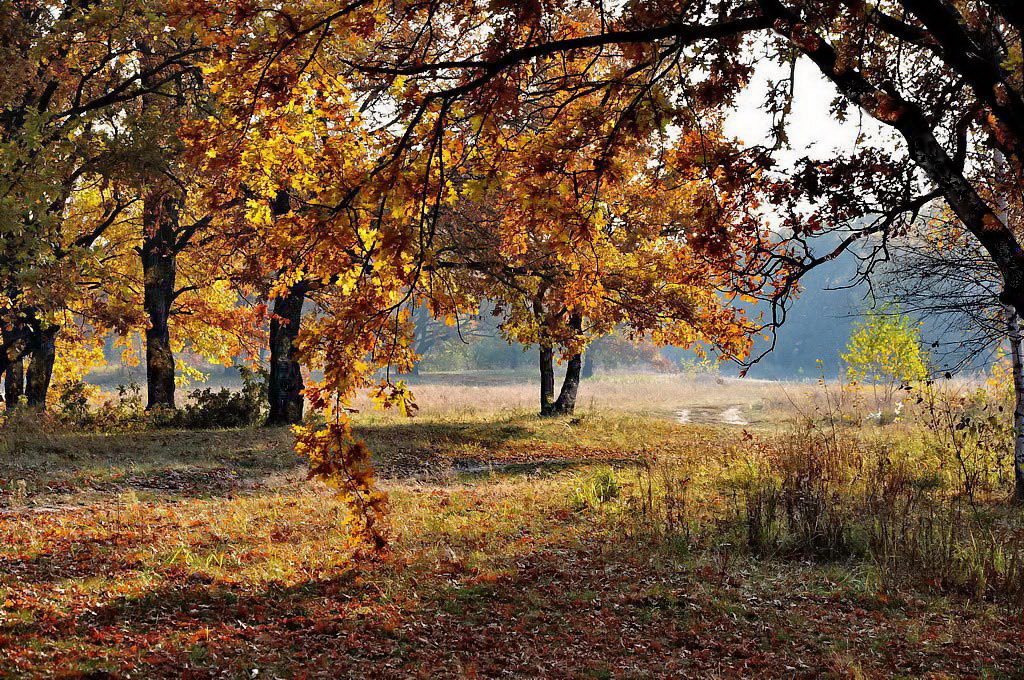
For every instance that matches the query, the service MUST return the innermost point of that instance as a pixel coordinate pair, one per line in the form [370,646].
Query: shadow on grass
[184,463]
[472,471]
[217,463]
[409,449]
[76,558]
[563,610]
[514,445]
[413,434]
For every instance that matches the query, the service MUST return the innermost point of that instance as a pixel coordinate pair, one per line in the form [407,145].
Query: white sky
[813,131]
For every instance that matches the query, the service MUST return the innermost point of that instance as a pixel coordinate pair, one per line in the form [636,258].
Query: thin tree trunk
[284,388]
[14,383]
[547,379]
[159,271]
[40,368]
[1017,361]
[1018,410]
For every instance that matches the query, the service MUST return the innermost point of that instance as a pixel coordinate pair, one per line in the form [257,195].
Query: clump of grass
[595,490]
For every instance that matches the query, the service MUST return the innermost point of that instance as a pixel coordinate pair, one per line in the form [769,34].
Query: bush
[918,504]
[73,401]
[795,504]
[885,352]
[224,407]
[125,412]
[207,408]
[899,503]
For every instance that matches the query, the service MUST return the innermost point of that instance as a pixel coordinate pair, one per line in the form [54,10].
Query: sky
[813,130]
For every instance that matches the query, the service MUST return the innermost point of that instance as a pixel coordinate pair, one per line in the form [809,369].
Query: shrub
[794,505]
[73,401]
[124,412]
[885,351]
[224,407]
[900,503]
[893,501]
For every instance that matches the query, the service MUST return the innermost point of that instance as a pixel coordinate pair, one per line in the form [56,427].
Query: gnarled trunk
[40,367]
[284,388]
[159,270]
[565,405]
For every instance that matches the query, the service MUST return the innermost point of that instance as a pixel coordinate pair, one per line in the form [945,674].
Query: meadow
[673,527]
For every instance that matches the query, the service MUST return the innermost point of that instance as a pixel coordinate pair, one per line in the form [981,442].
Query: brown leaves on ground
[485,581]
[489,576]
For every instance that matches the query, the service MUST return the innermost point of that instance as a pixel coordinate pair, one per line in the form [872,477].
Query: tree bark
[547,379]
[159,271]
[40,369]
[1018,410]
[14,383]
[565,405]
[284,389]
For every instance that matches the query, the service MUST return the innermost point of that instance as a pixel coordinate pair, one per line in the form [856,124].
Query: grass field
[617,543]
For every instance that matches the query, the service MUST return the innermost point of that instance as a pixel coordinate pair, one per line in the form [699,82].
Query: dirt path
[712,415]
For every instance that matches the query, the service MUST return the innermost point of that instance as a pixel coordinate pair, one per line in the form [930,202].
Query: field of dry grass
[617,543]
[654,394]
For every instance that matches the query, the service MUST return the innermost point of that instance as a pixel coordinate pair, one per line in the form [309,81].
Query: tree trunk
[1018,410]
[14,383]
[547,380]
[284,389]
[40,368]
[13,343]
[588,366]
[565,405]
[159,270]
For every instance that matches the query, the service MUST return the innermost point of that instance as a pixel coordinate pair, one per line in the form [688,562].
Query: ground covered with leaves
[520,548]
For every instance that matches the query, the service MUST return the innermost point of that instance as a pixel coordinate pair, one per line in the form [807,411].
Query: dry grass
[456,398]
[614,544]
